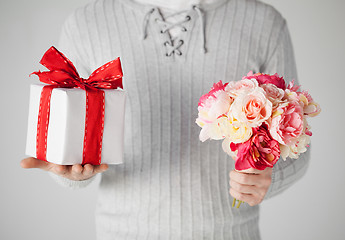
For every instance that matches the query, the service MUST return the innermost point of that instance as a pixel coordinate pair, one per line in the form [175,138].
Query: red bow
[63,74]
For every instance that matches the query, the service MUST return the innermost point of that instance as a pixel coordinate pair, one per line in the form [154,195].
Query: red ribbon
[63,74]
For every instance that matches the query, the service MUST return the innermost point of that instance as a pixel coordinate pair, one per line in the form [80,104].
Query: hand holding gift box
[74,120]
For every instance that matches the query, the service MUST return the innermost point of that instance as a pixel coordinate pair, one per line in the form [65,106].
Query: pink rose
[259,152]
[252,108]
[266,78]
[287,122]
[236,88]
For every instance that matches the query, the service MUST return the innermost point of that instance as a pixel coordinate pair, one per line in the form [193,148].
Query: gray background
[32,206]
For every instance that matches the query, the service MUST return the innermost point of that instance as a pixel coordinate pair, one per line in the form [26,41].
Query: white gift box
[65,137]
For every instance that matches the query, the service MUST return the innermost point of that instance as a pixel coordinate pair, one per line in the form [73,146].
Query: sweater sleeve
[64,182]
[70,45]
[281,60]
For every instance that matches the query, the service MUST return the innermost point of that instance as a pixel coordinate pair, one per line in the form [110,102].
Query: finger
[100,168]
[245,178]
[60,169]
[248,198]
[240,196]
[77,169]
[88,170]
[247,189]
[35,163]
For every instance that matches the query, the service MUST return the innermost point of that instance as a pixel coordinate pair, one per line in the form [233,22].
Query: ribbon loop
[63,73]
[55,60]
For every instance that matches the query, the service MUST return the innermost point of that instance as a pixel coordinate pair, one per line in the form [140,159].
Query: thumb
[35,163]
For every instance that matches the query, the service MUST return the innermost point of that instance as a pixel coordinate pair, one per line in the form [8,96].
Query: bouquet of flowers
[259,119]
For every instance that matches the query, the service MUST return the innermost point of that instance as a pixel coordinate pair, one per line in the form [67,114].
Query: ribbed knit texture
[171,185]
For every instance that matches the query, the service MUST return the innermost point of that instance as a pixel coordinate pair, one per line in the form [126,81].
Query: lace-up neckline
[168,25]
[174,44]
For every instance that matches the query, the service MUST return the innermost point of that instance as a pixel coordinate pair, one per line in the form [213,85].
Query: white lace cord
[172,48]
[202,24]
[146,22]
[170,25]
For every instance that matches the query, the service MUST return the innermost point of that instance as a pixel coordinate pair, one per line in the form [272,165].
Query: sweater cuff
[270,189]
[71,183]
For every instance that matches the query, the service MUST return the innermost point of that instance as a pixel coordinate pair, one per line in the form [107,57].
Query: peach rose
[253,108]
[274,94]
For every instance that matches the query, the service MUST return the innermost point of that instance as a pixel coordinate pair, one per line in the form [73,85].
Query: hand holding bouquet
[259,118]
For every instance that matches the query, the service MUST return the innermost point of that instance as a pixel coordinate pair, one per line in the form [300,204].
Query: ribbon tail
[43,122]
[57,77]
[94,126]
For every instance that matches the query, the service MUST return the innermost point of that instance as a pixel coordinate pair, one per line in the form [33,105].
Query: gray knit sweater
[171,185]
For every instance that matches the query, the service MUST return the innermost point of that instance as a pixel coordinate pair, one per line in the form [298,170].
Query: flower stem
[239,204]
[233,202]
